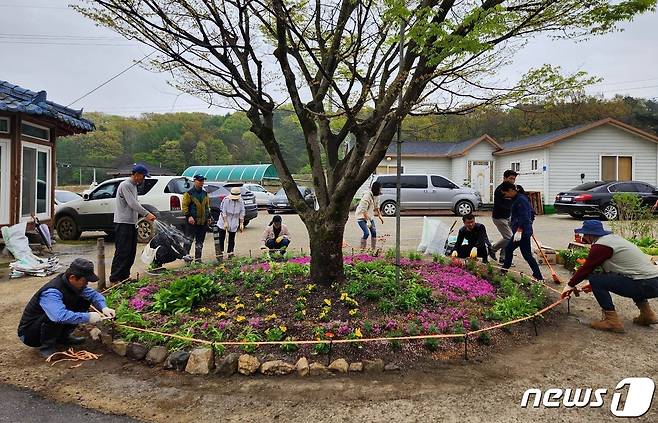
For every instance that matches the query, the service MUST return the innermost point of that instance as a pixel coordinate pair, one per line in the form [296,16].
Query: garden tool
[554,275]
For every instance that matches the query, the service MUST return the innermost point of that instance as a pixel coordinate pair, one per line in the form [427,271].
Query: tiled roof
[20,100]
[432,148]
[541,139]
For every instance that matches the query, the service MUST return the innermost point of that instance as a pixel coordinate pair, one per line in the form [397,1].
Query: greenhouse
[234,173]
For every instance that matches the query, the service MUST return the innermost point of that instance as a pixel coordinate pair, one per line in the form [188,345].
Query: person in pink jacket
[276,236]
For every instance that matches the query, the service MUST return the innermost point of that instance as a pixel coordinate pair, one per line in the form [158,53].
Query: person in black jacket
[501,214]
[476,236]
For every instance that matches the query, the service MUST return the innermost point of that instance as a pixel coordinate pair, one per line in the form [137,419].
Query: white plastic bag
[434,236]
[148,255]
[16,241]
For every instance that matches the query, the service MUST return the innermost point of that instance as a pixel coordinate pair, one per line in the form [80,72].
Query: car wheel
[610,211]
[389,208]
[67,229]
[462,208]
[576,214]
[145,231]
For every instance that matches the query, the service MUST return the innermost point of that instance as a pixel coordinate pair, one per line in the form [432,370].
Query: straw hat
[235,193]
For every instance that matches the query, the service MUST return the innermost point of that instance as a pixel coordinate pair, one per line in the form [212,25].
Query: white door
[481,179]
[5,175]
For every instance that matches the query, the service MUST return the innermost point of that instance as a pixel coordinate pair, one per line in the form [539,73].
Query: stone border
[202,361]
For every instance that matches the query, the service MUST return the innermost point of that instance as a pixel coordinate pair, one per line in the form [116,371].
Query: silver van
[427,192]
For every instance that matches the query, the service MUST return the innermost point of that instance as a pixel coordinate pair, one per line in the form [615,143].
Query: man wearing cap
[59,306]
[126,215]
[196,208]
[627,272]
[276,236]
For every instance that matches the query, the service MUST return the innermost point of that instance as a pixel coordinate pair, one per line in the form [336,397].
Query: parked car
[427,192]
[161,195]
[63,196]
[263,197]
[595,198]
[218,190]
[280,202]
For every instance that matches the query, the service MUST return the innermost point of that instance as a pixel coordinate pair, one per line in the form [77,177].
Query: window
[515,166]
[534,165]
[414,182]
[145,187]
[387,169]
[642,187]
[387,181]
[36,181]
[181,186]
[623,187]
[4,125]
[616,168]
[441,182]
[35,131]
[105,191]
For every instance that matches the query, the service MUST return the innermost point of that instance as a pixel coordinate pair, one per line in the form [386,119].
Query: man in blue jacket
[60,306]
[522,216]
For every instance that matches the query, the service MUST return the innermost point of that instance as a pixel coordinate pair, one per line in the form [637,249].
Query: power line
[26,6]
[66,44]
[113,78]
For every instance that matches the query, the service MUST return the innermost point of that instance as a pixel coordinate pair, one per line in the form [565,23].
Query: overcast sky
[44,45]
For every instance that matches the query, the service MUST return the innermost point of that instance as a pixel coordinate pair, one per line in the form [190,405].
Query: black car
[595,198]
[280,201]
[218,190]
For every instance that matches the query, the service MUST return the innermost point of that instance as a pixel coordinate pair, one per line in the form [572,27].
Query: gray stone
[201,361]
[119,347]
[228,364]
[317,369]
[391,368]
[302,366]
[373,366]
[356,367]
[95,333]
[248,364]
[276,368]
[340,366]
[177,360]
[106,339]
[157,355]
[136,351]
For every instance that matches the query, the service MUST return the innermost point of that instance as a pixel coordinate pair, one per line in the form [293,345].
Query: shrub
[183,294]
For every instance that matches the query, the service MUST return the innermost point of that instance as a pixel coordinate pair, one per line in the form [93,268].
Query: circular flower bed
[252,301]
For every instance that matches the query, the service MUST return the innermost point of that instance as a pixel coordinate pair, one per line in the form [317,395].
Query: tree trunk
[326,241]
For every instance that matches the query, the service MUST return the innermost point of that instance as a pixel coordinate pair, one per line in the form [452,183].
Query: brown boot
[647,316]
[364,242]
[610,322]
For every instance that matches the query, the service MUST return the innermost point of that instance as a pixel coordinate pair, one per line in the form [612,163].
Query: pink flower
[138,304]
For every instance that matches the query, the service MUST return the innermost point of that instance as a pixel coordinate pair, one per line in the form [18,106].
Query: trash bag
[434,236]
[166,248]
[16,241]
[26,262]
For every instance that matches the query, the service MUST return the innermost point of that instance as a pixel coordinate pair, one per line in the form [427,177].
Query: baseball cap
[83,268]
[140,168]
[199,178]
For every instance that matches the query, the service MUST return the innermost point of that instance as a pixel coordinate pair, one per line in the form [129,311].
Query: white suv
[161,195]
[263,197]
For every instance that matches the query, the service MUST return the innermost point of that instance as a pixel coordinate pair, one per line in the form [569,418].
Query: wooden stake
[100,267]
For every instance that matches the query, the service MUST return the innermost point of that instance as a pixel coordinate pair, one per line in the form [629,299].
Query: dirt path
[567,354]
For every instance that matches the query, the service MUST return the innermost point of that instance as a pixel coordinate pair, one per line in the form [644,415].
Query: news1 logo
[639,396]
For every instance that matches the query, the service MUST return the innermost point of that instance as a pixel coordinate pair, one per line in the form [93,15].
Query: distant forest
[177,140]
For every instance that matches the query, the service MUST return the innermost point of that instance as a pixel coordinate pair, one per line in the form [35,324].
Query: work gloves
[474,253]
[454,254]
[517,236]
[94,317]
[279,239]
[109,313]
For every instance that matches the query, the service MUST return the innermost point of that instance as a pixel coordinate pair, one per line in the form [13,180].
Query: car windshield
[588,186]
[66,196]
[216,191]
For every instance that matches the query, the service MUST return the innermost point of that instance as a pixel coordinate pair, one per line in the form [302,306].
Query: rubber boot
[647,316]
[610,322]
[364,242]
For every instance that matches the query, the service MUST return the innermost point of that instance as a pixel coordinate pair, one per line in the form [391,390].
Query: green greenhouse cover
[233,172]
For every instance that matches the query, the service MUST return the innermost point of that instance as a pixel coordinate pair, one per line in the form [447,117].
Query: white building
[548,163]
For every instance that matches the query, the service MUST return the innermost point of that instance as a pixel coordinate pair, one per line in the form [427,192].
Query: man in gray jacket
[126,215]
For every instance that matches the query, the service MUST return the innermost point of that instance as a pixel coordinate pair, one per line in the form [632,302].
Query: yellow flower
[220,314]
[239,306]
[343,296]
[268,300]
[327,301]
[283,328]
[301,298]
[303,312]
[353,312]
[258,295]
[240,319]
[271,316]
[287,286]
[204,310]
[223,306]
[310,287]
[276,292]
[236,299]
[357,333]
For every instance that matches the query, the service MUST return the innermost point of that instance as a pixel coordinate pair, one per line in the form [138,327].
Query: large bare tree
[337,62]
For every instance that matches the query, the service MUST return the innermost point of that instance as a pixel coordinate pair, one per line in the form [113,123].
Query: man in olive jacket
[196,208]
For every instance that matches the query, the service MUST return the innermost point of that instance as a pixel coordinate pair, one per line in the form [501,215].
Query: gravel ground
[566,354]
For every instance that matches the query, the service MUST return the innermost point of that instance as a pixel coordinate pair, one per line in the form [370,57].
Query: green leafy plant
[275,333]
[484,338]
[183,294]
[432,344]
[250,335]
[289,347]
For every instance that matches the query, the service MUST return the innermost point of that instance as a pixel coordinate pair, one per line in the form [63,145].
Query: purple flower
[391,325]
[138,304]
[343,330]
[255,322]
[223,324]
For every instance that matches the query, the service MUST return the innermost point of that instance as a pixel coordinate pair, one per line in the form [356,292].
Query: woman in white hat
[231,219]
